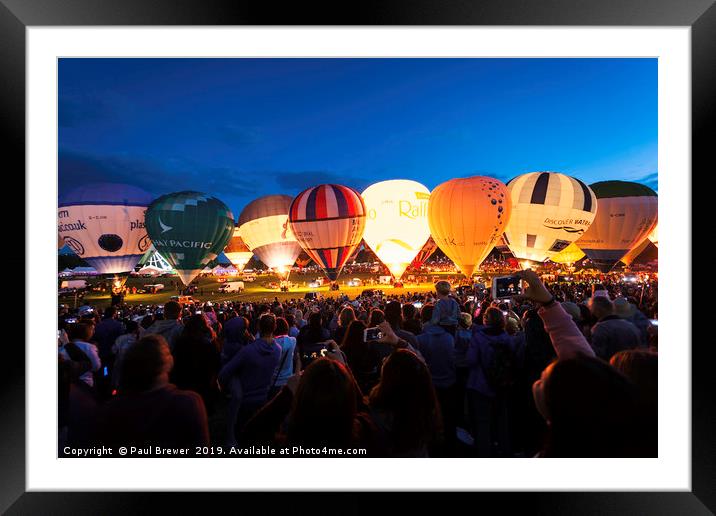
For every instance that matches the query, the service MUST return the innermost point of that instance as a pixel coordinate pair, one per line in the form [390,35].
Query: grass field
[255,291]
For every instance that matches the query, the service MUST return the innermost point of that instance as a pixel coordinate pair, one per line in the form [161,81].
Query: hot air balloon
[396,227]
[634,253]
[569,255]
[189,229]
[328,221]
[467,217]
[549,211]
[103,223]
[263,225]
[426,252]
[626,214]
[354,255]
[654,235]
[303,260]
[237,251]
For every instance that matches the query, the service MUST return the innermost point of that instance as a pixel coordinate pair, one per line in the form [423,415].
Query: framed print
[217,167]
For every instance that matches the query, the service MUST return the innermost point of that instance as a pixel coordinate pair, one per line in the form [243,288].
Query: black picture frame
[17,15]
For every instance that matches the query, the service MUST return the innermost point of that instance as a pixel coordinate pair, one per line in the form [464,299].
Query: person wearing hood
[437,347]
[171,326]
[236,336]
[491,358]
[254,365]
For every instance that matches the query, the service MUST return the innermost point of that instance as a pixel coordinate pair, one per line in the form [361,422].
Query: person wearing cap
[626,310]
[611,334]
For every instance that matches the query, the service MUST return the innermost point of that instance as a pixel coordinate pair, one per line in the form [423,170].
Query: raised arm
[566,338]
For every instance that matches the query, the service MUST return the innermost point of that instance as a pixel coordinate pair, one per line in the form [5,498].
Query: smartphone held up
[504,287]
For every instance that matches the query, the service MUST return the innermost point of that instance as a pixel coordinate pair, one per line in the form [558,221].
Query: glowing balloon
[263,225]
[569,255]
[467,218]
[237,251]
[189,229]
[303,260]
[103,224]
[654,236]
[426,252]
[626,214]
[549,211]
[328,221]
[633,254]
[396,227]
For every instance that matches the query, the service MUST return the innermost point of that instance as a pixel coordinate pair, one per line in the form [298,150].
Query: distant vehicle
[355,282]
[153,289]
[231,286]
[385,280]
[73,284]
[248,276]
[313,284]
[272,285]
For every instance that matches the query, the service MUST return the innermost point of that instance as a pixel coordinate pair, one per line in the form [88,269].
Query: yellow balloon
[467,216]
[396,226]
[549,211]
[570,254]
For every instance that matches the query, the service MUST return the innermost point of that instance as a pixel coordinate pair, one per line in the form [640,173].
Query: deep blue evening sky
[242,128]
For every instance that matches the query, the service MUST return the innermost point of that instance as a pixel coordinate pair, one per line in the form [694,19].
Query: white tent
[225,271]
[84,270]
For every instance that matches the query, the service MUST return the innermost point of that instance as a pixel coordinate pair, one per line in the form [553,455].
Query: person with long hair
[311,338]
[405,407]
[149,410]
[362,357]
[322,407]
[345,317]
[197,360]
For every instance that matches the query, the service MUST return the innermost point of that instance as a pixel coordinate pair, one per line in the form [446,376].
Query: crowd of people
[561,370]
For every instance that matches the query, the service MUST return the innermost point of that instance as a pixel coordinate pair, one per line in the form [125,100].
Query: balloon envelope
[634,253]
[263,225]
[425,252]
[467,217]
[303,260]
[103,223]
[654,236]
[549,211]
[237,251]
[570,254]
[626,214]
[396,226]
[189,229]
[328,221]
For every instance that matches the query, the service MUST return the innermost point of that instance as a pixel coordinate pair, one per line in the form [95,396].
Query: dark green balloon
[189,229]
